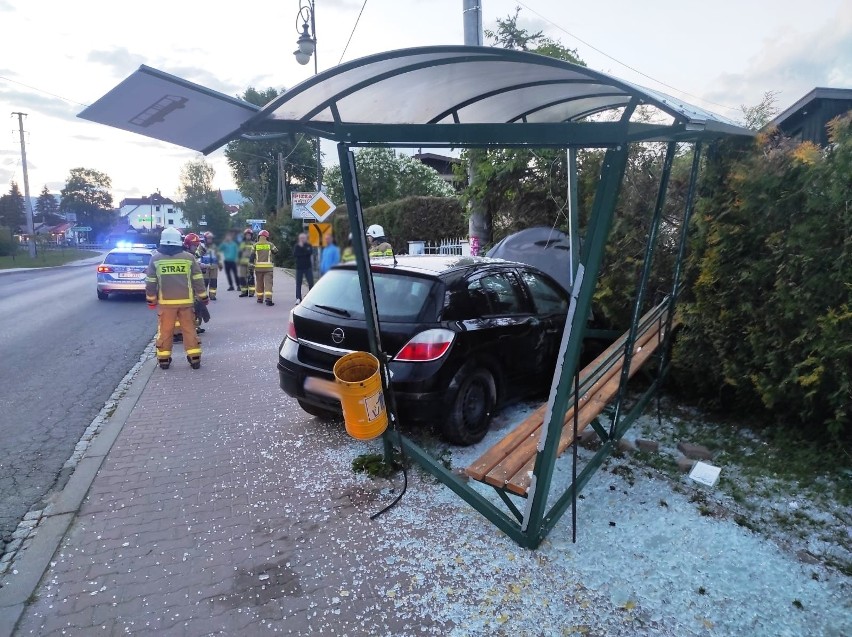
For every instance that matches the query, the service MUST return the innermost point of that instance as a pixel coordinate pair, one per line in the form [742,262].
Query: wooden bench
[509,464]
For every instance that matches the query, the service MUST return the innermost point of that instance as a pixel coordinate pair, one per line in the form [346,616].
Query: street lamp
[306,47]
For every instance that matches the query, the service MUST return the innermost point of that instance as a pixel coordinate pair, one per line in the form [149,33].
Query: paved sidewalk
[223,509]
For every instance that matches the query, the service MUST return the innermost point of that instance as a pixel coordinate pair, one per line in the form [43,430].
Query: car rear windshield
[127,258]
[399,298]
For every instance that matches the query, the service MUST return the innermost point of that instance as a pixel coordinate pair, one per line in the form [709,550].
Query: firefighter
[172,278]
[348,254]
[262,258]
[208,258]
[245,271]
[379,246]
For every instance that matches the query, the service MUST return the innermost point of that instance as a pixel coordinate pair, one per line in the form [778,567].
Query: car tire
[470,414]
[319,412]
[103,296]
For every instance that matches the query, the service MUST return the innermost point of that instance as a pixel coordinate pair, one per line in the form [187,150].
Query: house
[806,119]
[443,165]
[145,213]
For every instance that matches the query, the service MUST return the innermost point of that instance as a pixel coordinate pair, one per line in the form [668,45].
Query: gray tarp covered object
[547,249]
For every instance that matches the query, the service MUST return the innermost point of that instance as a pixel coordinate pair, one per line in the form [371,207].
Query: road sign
[320,206]
[82,229]
[299,201]
[255,226]
[317,233]
[255,221]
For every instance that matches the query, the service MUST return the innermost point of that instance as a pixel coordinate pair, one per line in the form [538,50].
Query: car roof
[432,264]
[132,250]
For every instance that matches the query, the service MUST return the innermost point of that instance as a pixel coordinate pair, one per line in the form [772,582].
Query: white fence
[456,247]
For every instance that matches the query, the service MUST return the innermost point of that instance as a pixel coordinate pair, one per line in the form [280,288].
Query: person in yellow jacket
[348,253]
[262,258]
[172,281]
[379,246]
[244,267]
[209,258]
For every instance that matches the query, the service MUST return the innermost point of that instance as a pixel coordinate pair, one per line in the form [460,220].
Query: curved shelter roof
[428,96]
[471,95]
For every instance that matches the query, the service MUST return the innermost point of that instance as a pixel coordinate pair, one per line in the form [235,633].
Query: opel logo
[337,335]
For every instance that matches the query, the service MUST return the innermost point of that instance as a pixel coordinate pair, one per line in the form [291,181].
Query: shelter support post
[600,222]
[650,245]
[681,252]
[573,212]
[365,279]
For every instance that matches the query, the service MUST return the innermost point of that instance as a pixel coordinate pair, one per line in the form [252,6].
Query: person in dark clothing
[302,252]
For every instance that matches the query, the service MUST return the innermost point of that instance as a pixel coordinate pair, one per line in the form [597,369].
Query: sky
[56,57]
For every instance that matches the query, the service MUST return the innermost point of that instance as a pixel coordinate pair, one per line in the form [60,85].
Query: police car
[123,270]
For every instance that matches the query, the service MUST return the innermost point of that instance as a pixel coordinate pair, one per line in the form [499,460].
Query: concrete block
[651,446]
[685,464]
[695,452]
[589,439]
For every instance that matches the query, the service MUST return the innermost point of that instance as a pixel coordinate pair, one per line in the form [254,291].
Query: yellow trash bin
[364,413]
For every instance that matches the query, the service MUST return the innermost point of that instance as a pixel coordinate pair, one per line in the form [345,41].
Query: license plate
[130,275]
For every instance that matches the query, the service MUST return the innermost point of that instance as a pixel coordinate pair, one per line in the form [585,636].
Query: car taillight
[104,268]
[291,328]
[427,346]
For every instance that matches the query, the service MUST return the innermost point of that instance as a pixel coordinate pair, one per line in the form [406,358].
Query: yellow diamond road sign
[320,206]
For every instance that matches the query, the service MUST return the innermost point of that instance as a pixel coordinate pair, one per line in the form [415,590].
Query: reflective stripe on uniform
[195,351]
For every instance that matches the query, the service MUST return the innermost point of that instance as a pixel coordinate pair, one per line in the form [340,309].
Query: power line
[353,32]
[64,99]
[617,61]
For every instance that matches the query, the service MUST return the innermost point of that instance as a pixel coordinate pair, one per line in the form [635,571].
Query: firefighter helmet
[375,231]
[191,238]
[248,231]
[170,237]
[263,233]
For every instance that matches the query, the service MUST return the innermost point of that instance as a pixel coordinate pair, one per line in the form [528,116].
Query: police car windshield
[127,258]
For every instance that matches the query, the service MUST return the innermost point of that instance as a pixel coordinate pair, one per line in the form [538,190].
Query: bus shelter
[476,97]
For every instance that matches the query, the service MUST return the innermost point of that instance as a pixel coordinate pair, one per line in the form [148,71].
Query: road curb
[34,560]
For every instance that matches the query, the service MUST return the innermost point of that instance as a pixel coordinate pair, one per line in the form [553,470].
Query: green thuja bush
[769,327]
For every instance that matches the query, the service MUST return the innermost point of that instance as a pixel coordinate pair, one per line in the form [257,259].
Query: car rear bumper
[121,286]
[412,406]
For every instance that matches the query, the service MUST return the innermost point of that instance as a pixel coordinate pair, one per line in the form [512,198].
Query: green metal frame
[528,520]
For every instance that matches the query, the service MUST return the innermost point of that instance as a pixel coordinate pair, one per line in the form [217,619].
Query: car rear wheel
[469,417]
[103,296]
[319,412]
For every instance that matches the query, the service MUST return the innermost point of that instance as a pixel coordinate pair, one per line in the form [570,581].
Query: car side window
[496,293]
[547,297]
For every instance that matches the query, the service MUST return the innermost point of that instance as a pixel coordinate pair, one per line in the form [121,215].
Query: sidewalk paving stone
[222,509]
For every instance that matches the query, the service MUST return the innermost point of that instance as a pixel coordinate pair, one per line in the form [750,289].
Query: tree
[510,36]
[756,117]
[254,162]
[87,194]
[12,208]
[46,206]
[385,176]
[513,189]
[200,202]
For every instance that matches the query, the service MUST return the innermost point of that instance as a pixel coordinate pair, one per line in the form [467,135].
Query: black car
[466,334]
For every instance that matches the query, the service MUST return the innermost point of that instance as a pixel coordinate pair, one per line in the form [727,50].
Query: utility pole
[29,204]
[479,226]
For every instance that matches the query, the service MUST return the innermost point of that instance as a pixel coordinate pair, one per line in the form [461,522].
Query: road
[63,353]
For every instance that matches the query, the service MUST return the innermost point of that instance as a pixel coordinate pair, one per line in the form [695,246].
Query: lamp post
[306,47]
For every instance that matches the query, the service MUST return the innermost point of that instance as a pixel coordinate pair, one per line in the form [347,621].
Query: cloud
[119,59]
[796,62]
[6,6]
[206,78]
[31,103]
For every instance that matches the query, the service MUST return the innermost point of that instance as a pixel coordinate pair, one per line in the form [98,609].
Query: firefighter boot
[269,302]
[165,362]
[194,362]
